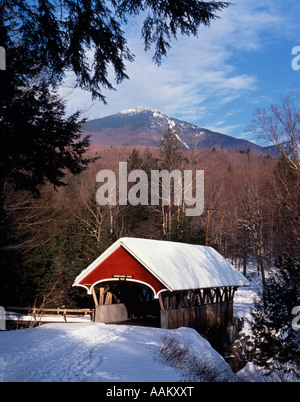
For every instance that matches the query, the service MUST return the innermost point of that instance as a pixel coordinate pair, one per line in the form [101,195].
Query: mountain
[144,126]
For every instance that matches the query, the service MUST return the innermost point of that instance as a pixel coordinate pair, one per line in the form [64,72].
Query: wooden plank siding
[199,309]
[198,317]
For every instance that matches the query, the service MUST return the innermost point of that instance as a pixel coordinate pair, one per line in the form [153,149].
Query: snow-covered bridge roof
[175,266]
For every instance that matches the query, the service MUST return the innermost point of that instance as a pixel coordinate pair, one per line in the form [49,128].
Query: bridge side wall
[198,317]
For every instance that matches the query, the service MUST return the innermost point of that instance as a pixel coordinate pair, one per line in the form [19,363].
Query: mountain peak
[140,109]
[145,126]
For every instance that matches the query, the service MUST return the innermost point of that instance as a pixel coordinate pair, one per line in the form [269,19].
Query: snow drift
[99,352]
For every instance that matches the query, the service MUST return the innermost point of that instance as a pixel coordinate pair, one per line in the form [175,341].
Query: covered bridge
[190,285]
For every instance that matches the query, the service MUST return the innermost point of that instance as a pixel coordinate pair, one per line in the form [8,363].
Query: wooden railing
[49,314]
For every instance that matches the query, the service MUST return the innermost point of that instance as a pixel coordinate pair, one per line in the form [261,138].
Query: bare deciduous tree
[280,126]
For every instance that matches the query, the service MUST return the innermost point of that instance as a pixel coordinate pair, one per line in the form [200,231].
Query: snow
[179,139]
[94,352]
[166,121]
[157,113]
[97,352]
[177,265]
[185,266]
[140,110]
[127,111]
[244,300]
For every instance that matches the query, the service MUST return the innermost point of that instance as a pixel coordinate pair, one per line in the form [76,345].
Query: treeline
[251,210]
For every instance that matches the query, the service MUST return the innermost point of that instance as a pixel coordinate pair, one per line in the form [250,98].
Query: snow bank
[95,352]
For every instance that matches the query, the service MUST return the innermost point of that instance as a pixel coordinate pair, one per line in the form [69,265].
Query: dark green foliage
[40,144]
[185,230]
[229,169]
[171,150]
[285,170]
[276,341]
[58,262]
[166,18]
[53,37]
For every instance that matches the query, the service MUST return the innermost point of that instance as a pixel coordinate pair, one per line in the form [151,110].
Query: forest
[251,211]
[46,237]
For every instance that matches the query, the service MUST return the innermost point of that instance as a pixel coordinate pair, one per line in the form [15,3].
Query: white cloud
[200,74]
[225,129]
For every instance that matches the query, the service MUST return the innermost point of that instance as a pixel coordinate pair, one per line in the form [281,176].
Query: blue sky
[242,62]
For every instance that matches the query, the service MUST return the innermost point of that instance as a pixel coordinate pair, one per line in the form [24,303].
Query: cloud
[200,75]
[226,129]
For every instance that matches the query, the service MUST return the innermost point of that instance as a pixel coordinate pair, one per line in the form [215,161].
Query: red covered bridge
[188,285]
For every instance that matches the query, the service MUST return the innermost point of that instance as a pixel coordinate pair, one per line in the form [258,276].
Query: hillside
[145,127]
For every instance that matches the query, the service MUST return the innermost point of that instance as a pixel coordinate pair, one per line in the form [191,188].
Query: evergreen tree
[132,219]
[185,229]
[171,150]
[277,343]
[38,144]
[51,37]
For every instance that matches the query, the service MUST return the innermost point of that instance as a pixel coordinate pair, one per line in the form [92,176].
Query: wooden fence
[30,316]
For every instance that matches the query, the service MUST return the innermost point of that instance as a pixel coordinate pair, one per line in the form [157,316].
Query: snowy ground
[97,352]
[78,352]
[244,298]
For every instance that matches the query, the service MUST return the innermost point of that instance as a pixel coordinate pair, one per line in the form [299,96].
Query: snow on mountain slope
[143,126]
[97,353]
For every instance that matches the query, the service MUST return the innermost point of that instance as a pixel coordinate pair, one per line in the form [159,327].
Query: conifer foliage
[277,342]
[54,36]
